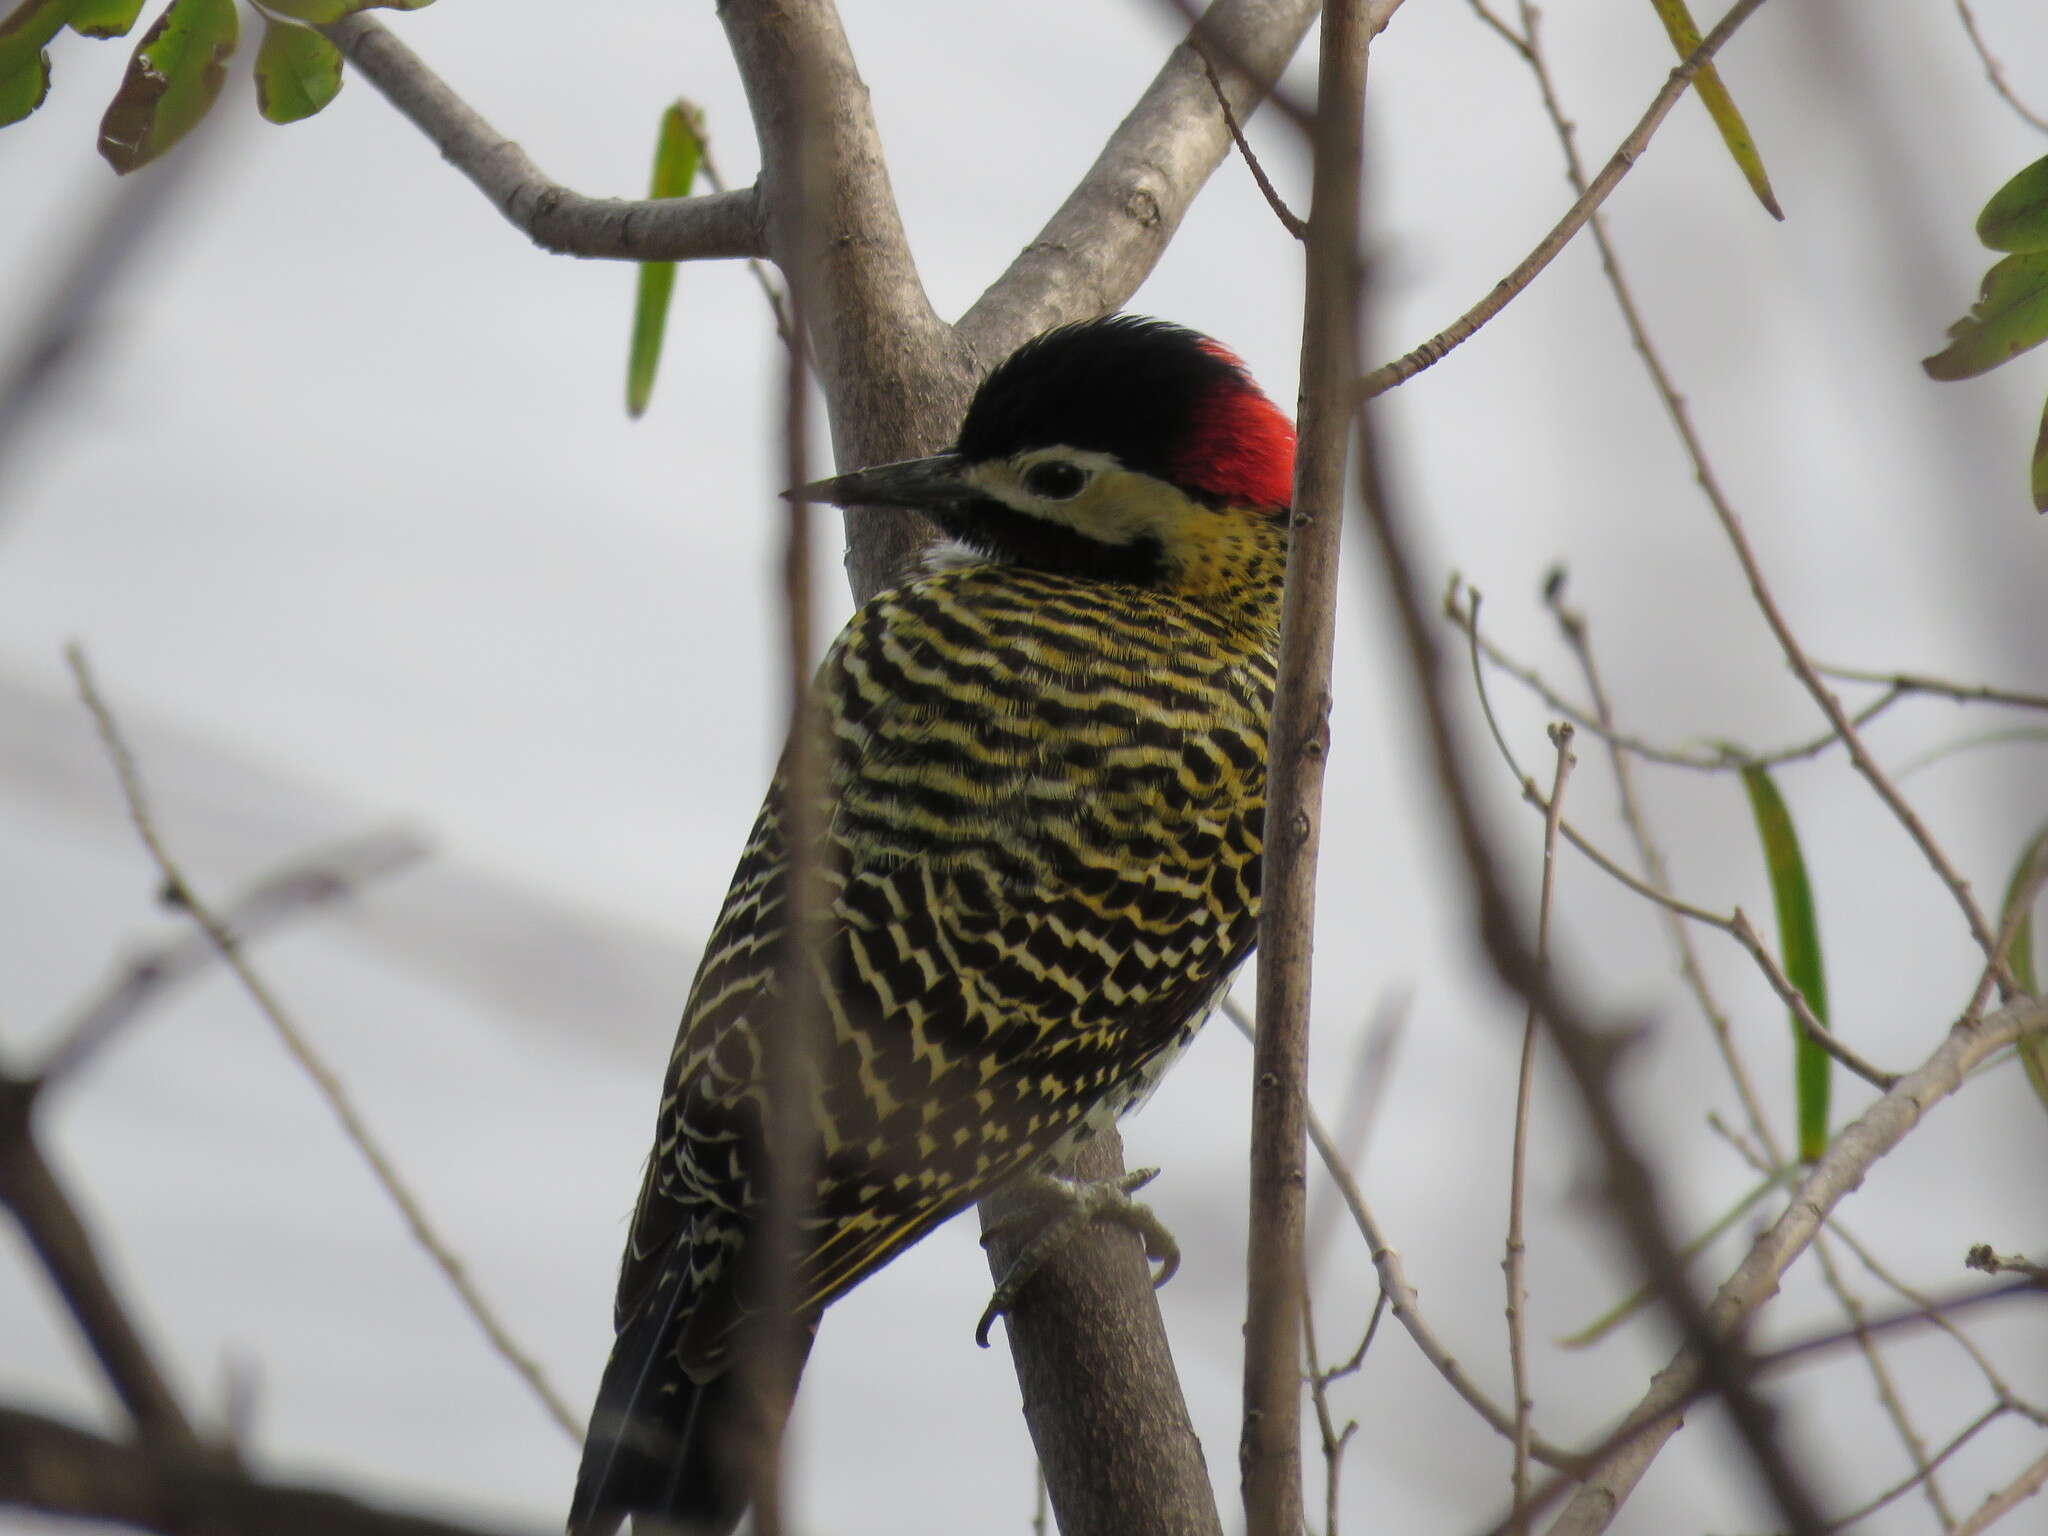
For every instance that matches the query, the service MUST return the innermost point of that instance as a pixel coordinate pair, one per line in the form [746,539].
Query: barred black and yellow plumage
[1042,804]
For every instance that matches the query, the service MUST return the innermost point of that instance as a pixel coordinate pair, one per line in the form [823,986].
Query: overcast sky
[344,504]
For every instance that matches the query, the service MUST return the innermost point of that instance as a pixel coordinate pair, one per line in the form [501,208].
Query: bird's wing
[1043,864]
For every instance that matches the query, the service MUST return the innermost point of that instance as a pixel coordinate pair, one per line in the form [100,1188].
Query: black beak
[924,485]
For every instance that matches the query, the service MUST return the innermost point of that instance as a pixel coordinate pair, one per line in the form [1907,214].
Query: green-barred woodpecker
[1044,788]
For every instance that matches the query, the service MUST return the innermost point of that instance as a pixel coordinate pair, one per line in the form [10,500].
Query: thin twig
[1363,1096]
[1716,757]
[1289,220]
[1393,1278]
[59,1469]
[1923,1472]
[1649,855]
[2031,1289]
[1573,627]
[2002,1503]
[1986,1260]
[2000,1389]
[1513,1264]
[1992,70]
[304,885]
[1846,1163]
[178,890]
[778,302]
[1433,351]
[1334,1440]
[1916,682]
[1736,925]
[1882,1382]
[1767,606]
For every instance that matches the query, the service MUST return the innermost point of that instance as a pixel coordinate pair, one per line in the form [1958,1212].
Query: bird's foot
[1056,1209]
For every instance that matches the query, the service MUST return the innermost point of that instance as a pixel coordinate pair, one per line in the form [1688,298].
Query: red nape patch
[1239,445]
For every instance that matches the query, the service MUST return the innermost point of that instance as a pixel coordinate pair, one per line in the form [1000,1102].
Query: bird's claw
[1059,1208]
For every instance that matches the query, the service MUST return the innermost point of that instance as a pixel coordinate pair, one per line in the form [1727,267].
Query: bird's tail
[669,1450]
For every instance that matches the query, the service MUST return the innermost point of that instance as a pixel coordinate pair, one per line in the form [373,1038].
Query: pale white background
[345,505]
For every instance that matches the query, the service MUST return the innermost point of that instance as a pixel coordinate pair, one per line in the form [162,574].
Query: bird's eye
[1055,479]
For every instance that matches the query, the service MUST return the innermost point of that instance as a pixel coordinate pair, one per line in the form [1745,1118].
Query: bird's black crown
[1125,385]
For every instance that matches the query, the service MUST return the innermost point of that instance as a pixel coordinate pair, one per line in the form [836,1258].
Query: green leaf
[104,18]
[1685,37]
[2010,316]
[320,12]
[1799,943]
[2016,218]
[173,76]
[2019,956]
[297,72]
[2038,476]
[677,149]
[23,91]
[26,29]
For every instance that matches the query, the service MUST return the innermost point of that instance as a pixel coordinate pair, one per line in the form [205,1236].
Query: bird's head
[1124,450]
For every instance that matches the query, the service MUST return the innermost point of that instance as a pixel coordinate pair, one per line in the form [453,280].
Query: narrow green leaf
[1685,37]
[2019,958]
[174,75]
[297,72]
[2037,478]
[2010,316]
[26,29]
[23,91]
[104,18]
[677,149]
[1799,946]
[2016,218]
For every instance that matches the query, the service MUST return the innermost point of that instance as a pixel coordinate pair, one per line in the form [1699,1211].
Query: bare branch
[178,889]
[1269,1449]
[1997,1383]
[1736,925]
[1886,1386]
[720,224]
[57,1469]
[1992,71]
[30,1189]
[1732,528]
[2007,1499]
[1842,1168]
[1987,1260]
[1101,1398]
[293,890]
[1433,351]
[1513,1264]
[1914,682]
[1649,854]
[1289,219]
[1400,1294]
[1924,1468]
[1598,721]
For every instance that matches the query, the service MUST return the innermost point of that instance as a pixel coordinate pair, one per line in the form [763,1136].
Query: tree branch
[1847,1161]
[58,1469]
[1297,750]
[49,1219]
[720,224]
